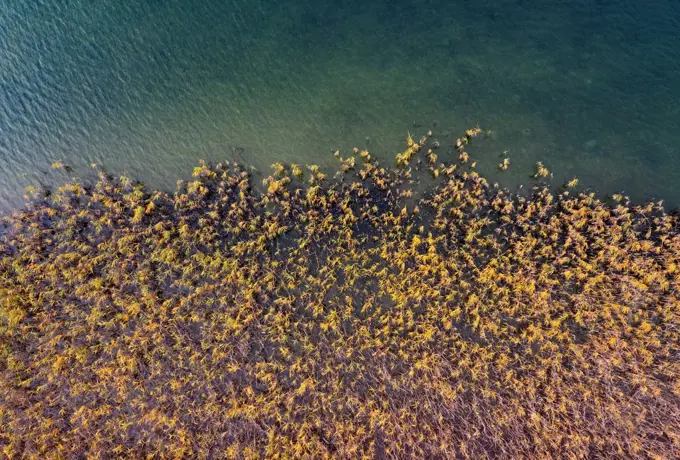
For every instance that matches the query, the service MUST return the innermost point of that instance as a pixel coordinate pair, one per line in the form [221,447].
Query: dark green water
[592,88]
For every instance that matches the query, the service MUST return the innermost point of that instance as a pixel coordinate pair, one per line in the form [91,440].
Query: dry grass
[347,318]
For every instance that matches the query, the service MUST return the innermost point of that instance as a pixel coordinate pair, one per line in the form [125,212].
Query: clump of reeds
[321,318]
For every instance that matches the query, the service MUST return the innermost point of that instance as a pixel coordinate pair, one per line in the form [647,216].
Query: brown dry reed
[348,318]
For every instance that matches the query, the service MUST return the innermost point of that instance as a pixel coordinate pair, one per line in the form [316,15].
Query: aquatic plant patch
[350,316]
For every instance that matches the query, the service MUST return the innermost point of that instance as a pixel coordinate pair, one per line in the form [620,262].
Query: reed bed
[355,316]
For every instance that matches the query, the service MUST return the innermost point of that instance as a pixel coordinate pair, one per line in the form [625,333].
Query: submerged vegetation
[339,317]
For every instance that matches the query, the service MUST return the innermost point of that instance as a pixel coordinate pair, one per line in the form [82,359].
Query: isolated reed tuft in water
[346,317]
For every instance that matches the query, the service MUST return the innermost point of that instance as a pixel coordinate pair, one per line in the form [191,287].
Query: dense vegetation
[339,317]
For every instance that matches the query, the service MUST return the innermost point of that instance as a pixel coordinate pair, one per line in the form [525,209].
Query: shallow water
[591,88]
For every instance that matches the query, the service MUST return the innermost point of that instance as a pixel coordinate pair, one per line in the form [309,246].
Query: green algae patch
[360,315]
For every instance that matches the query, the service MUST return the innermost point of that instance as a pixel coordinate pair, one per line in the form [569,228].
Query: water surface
[591,88]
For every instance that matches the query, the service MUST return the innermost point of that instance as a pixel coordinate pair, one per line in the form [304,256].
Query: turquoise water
[591,88]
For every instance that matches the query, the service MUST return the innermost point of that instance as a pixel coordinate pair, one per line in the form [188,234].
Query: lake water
[591,88]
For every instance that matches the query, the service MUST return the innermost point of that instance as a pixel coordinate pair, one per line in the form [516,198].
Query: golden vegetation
[572,183]
[350,318]
[541,171]
[504,165]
